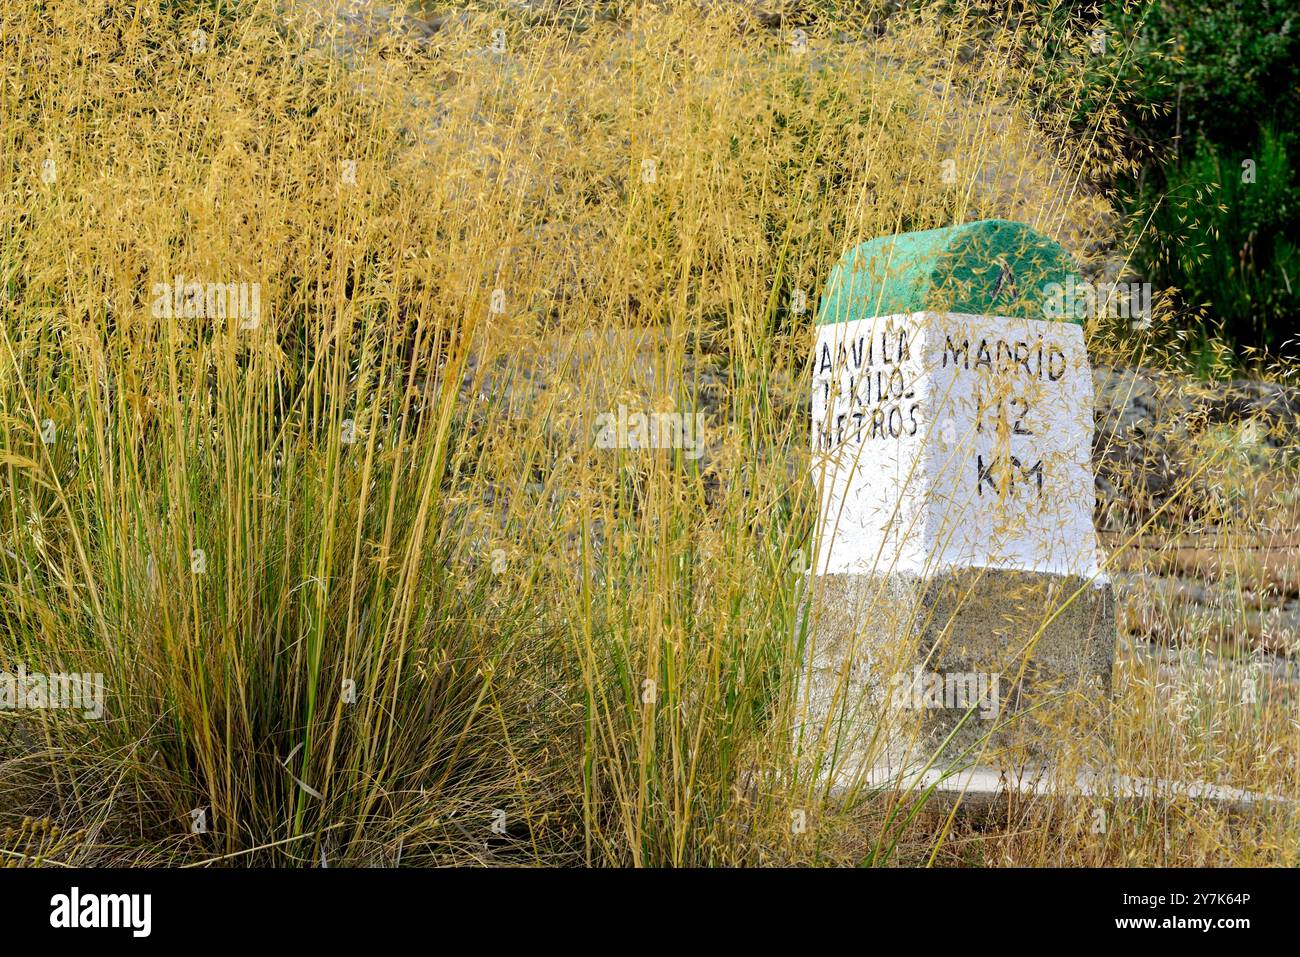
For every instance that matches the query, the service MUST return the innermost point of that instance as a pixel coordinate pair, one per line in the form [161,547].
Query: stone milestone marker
[957,611]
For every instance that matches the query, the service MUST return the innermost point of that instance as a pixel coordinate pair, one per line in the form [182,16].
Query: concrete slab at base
[994,666]
[984,788]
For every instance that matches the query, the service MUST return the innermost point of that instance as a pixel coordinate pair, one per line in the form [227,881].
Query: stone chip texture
[1048,641]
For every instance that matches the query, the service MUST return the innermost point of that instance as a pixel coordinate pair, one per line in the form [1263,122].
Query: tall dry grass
[362,585]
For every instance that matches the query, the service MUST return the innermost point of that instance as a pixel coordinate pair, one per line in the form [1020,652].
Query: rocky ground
[1199,507]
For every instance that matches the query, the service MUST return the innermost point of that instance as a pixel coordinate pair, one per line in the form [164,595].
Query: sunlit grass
[434,622]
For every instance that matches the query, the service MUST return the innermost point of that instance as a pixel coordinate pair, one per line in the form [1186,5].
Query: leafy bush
[1223,235]
[1223,67]
[1214,85]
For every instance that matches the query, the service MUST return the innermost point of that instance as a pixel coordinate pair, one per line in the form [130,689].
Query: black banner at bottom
[331,907]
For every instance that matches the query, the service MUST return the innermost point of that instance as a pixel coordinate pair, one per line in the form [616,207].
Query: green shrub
[1214,85]
[1221,235]
[1223,67]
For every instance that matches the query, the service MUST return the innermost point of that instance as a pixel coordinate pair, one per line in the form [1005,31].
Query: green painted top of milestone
[990,268]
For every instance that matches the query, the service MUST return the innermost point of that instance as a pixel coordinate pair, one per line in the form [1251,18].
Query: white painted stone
[946,440]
